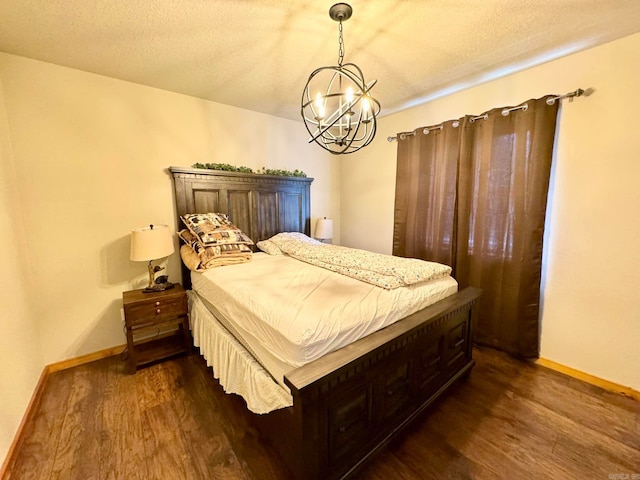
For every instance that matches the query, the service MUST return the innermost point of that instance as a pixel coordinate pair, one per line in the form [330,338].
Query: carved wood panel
[267,206]
[457,341]
[350,422]
[392,391]
[206,200]
[429,364]
[291,219]
[239,203]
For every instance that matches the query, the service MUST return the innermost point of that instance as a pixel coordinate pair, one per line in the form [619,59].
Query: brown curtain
[502,165]
[426,184]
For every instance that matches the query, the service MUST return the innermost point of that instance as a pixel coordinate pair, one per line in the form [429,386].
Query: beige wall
[20,353]
[87,165]
[590,315]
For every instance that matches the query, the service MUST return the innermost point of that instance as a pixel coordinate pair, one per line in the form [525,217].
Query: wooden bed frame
[348,404]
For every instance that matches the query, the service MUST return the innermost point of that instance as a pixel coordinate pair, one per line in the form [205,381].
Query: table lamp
[324,229]
[149,244]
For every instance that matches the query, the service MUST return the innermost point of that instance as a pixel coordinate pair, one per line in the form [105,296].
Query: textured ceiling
[257,54]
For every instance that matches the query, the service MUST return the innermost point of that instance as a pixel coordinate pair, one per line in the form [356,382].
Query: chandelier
[337,108]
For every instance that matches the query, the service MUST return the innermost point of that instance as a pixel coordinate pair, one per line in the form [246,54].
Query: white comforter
[299,312]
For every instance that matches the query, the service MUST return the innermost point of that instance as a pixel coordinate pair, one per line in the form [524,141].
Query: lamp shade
[151,243]
[324,228]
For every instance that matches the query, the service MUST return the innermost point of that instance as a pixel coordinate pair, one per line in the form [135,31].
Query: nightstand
[157,325]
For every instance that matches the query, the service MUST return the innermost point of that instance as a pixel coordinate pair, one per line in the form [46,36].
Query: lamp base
[158,287]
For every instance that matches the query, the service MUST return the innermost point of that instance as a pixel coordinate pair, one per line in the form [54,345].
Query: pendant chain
[341,45]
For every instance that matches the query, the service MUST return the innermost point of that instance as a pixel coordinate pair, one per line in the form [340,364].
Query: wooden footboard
[350,403]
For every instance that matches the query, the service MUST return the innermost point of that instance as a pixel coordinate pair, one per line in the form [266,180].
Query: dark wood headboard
[259,205]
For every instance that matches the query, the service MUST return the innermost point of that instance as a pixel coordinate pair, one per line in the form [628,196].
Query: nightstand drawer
[156,309]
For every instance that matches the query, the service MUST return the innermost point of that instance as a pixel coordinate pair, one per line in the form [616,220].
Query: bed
[346,404]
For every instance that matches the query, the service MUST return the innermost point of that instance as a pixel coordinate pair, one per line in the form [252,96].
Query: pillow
[190,258]
[296,236]
[267,246]
[213,229]
[189,238]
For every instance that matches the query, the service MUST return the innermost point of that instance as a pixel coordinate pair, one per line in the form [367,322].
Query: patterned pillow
[214,229]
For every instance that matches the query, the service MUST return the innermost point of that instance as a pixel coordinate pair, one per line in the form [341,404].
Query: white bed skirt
[235,368]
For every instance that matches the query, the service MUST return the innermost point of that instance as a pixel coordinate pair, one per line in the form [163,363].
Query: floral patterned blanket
[384,271]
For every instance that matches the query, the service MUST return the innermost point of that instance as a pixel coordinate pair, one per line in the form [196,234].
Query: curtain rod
[576,93]
[550,101]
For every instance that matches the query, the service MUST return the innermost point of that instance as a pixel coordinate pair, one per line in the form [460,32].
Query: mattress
[291,312]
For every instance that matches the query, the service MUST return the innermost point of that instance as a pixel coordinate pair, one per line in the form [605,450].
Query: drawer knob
[158,310]
[157,304]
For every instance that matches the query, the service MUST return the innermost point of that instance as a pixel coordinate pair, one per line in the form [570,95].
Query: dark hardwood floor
[508,420]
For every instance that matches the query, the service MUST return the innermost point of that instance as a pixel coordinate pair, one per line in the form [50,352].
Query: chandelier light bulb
[349,95]
[319,106]
[366,108]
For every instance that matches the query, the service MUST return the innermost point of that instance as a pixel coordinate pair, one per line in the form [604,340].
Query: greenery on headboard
[263,171]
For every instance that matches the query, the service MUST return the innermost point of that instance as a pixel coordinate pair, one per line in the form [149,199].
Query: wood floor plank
[162,446]
[152,387]
[388,466]
[78,452]
[165,448]
[122,443]
[36,453]
[596,459]
[435,456]
[487,440]
[601,454]
[210,451]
